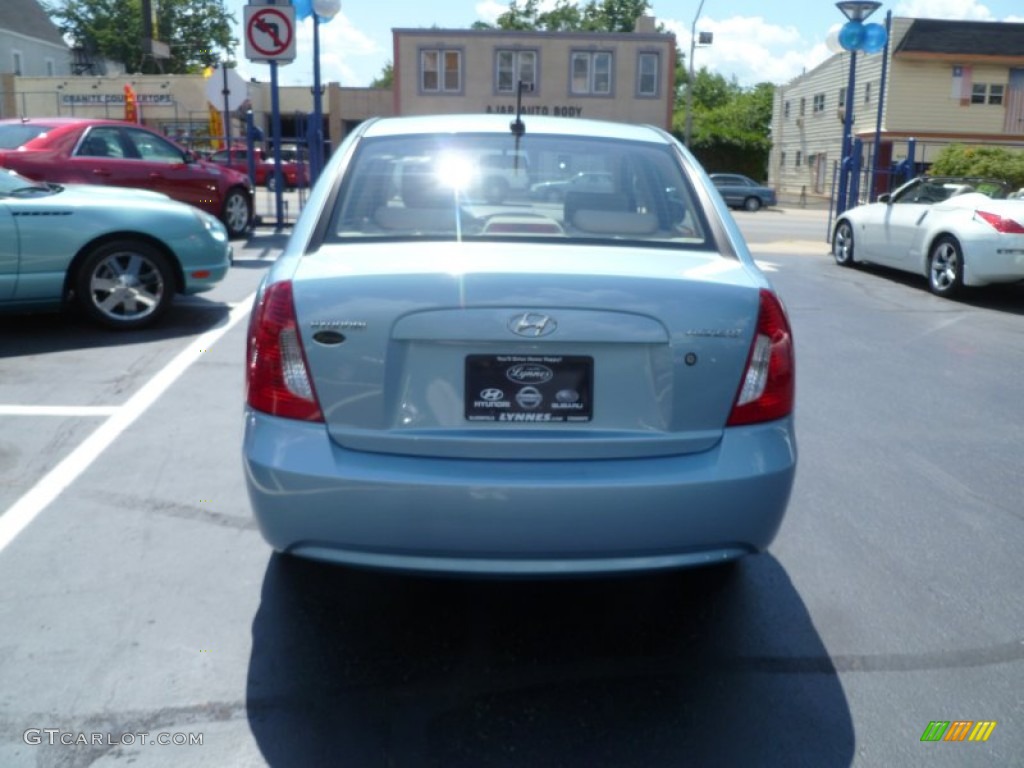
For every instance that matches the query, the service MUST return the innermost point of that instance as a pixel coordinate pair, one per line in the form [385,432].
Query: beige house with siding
[946,82]
[627,77]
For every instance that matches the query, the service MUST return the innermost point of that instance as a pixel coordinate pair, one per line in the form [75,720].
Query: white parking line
[58,410]
[21,514]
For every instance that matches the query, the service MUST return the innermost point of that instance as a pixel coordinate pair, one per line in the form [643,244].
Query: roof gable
[966,38]
[27,17]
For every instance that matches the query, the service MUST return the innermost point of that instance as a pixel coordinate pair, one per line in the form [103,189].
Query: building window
[819,103]
[842,98]
[591,73]
[799,158]
[978,93]
[16,62]
[513,66]
[785,109]
[995,94]
[867,93]
[782,159]
[440,70]
[803,106]
[647,74]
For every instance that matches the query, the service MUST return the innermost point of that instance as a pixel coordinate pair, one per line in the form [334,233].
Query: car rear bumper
[315,499]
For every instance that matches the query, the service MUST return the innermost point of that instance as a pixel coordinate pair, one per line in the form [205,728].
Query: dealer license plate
[529,388]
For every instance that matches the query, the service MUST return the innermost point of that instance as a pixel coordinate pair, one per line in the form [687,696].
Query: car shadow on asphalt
[1003,297]
[68,329]
[697,667]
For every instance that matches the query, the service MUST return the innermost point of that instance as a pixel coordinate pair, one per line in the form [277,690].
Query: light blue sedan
[119,254]
[439,382]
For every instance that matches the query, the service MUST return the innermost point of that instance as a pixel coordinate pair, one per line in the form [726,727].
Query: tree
[386,78]
[197,31]
[731,125]
[566,16]
[980,162]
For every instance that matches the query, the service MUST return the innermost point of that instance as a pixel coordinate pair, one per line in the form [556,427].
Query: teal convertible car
[119,254]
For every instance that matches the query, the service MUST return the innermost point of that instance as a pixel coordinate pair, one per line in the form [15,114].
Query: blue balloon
[851,35]
[303,9]
[875,38]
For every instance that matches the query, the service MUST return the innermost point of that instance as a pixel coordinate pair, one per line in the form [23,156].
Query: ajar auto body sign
[79,99]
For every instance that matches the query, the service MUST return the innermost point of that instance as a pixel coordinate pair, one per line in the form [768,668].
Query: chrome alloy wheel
[125,284]
[945,267]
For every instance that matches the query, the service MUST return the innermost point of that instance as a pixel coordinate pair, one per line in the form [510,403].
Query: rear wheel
[237,213]
[752,204]
[842,244]
[125,284]
[946,268]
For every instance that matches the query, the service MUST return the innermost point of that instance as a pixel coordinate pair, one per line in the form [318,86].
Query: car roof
[58,121]
[497,124]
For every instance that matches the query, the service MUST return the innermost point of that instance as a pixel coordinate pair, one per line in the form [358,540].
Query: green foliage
[731,124]
[386,78]
[197,31]
[566,16]
[986,162]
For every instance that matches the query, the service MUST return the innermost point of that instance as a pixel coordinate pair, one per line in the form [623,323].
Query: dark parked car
[743,192]
[72,150]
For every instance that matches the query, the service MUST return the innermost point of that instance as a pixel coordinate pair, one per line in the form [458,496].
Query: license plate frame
[529,389]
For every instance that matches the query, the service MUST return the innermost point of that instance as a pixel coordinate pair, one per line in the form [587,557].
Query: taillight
[1001,224]
[766,392]
[277,375]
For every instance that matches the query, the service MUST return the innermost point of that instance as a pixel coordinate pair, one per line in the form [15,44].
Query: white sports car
[957,232]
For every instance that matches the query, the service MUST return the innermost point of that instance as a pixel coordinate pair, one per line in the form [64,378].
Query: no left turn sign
[270,33]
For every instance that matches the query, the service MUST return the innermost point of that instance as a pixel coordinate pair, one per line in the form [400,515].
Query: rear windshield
[16,135]
[546,187]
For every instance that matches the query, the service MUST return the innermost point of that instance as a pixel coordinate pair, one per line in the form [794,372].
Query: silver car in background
[439,382]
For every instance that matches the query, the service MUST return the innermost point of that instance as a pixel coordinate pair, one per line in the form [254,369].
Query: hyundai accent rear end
[438,381]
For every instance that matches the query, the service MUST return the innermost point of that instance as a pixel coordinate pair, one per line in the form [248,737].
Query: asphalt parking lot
[140,598]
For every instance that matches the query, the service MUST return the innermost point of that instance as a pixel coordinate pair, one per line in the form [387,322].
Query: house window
[16,61]
[799,158]
[782,159]
[591,73]
[995,94]
[440,71]
[867,93]
[803,106]
[647,74]
[842,98]
[819,103]
[978,93]
[513,66]
[785,109]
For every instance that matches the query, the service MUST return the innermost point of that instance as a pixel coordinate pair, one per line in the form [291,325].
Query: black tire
[237,213]
[946,268]
[842,244]
[124,284]
[752,204]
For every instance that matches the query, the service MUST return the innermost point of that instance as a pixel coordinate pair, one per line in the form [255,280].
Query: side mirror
[885,198]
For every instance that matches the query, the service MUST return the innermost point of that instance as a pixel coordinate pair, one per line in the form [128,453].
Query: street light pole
[689,83]
[325,9]
[851,39]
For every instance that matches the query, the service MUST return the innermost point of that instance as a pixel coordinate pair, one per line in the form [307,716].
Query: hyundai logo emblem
[532,324]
